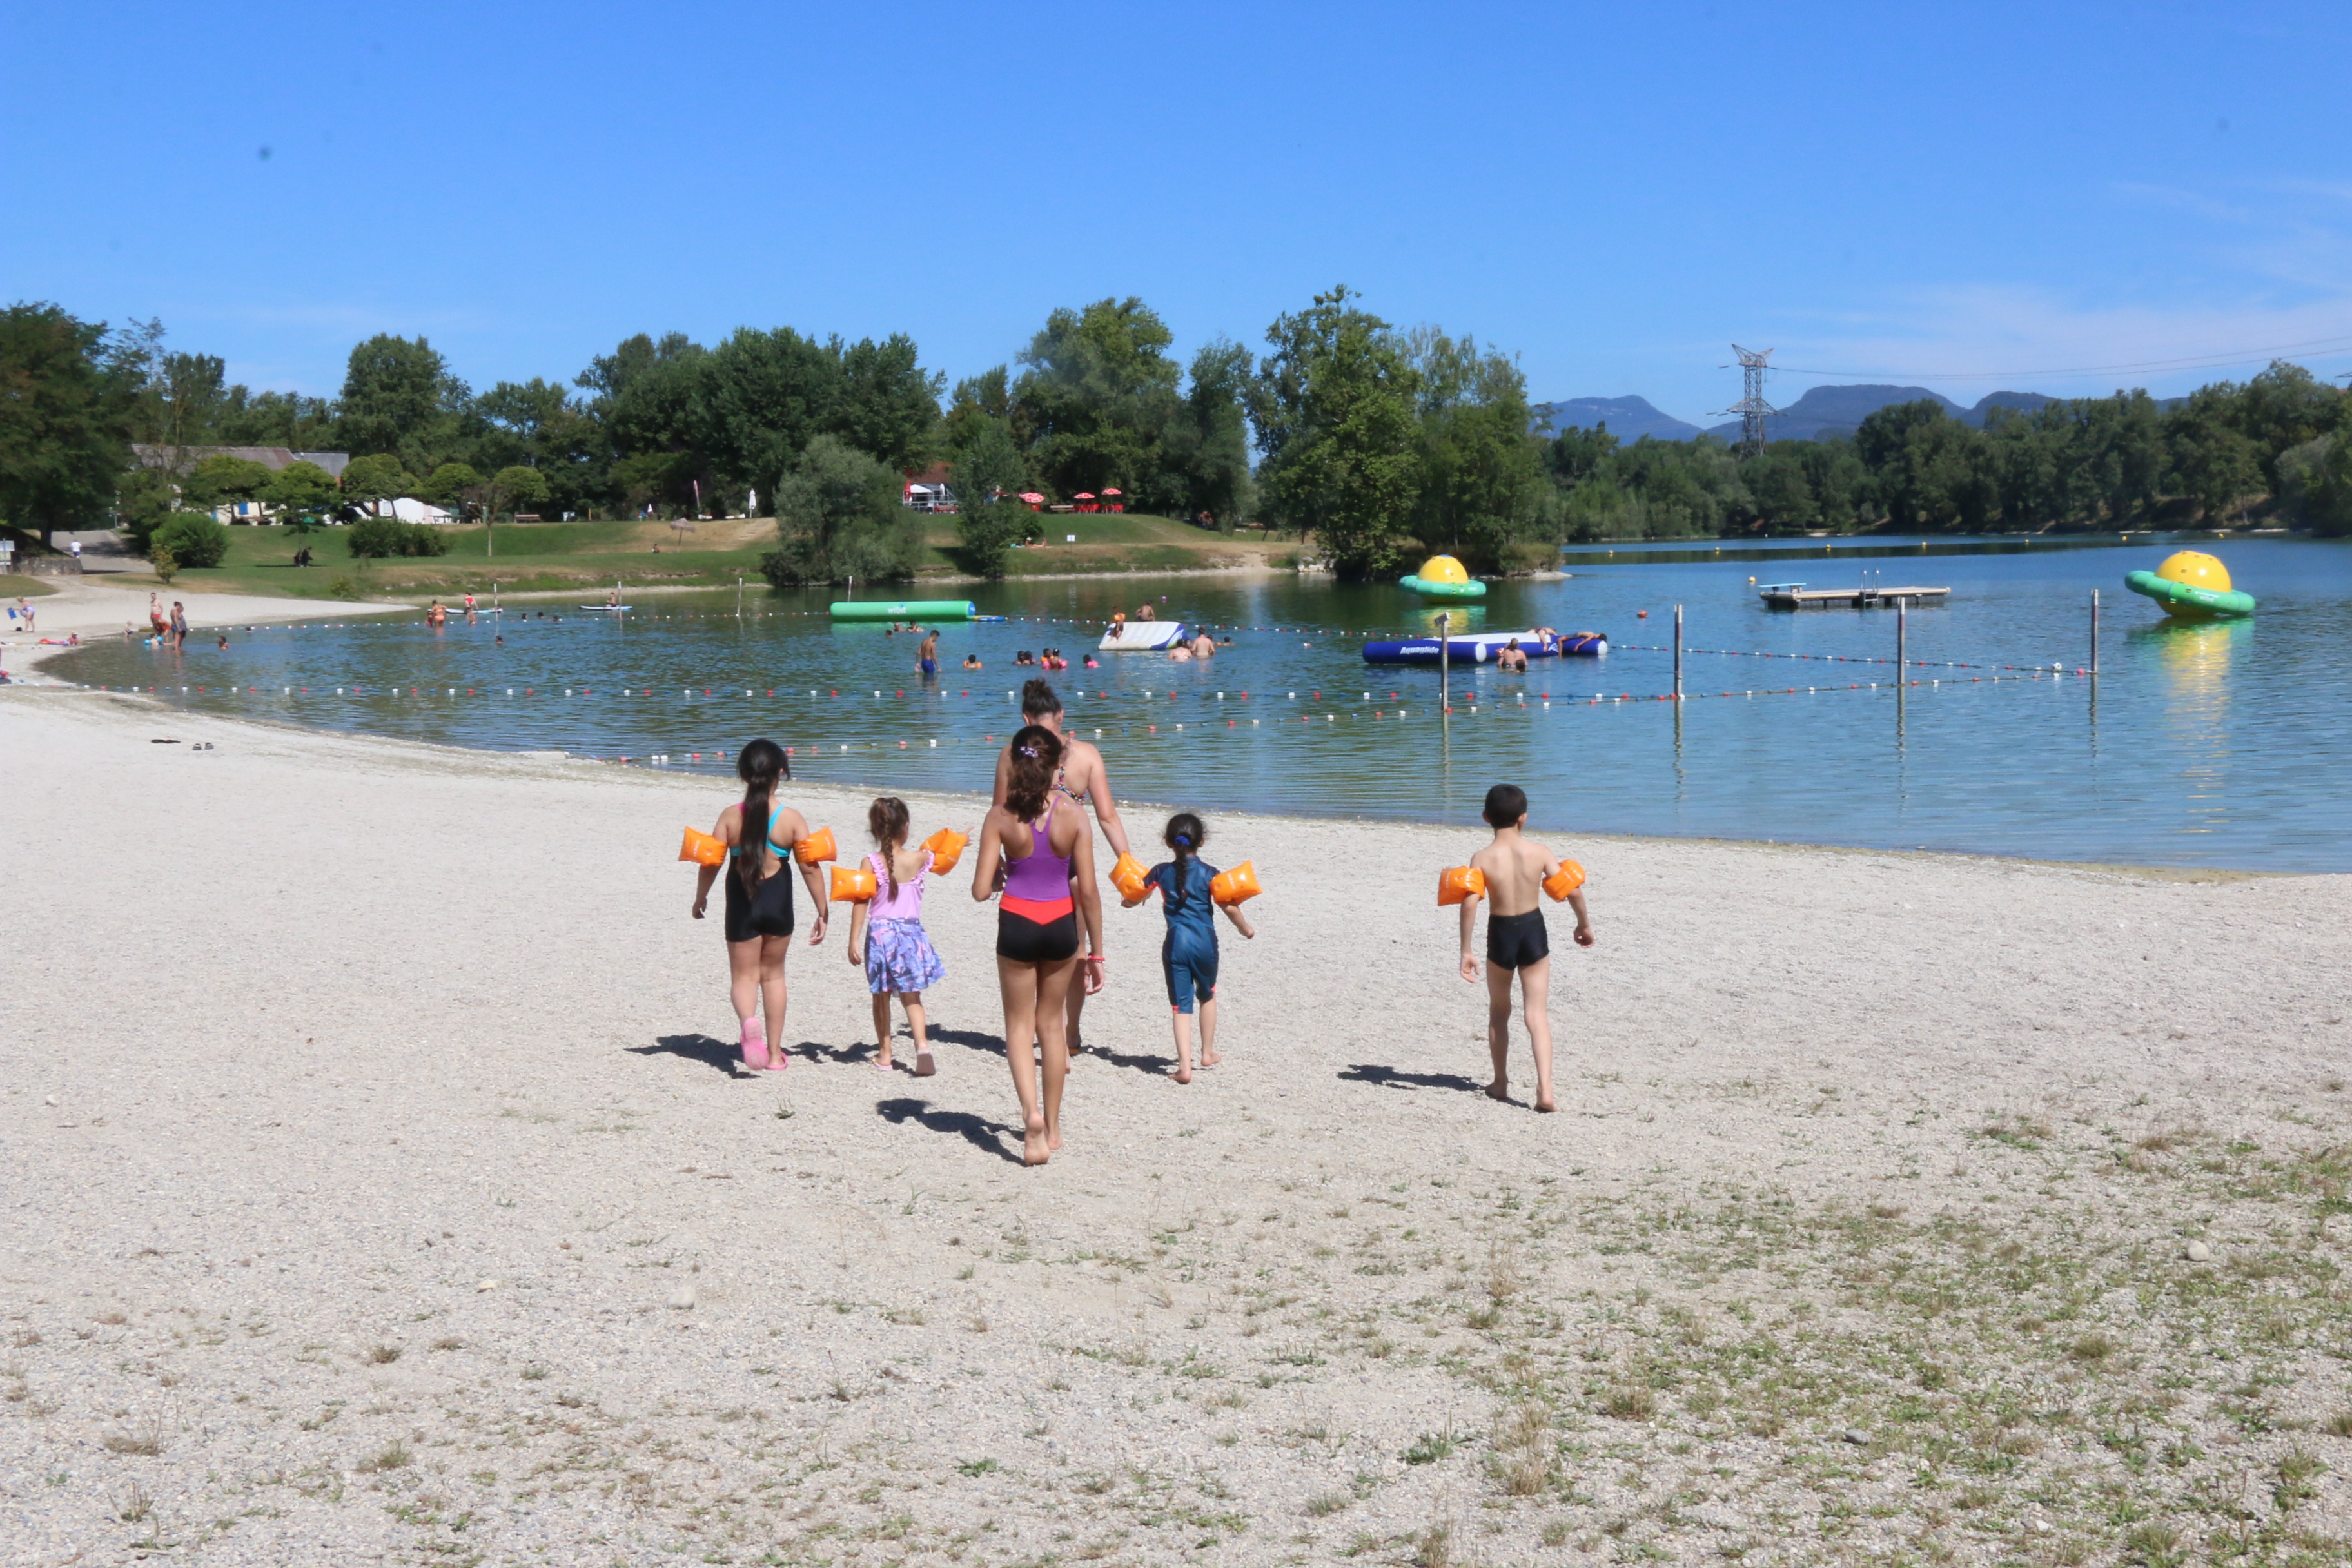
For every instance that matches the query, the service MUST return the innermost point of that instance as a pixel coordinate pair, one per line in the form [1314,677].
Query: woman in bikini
[1044,847]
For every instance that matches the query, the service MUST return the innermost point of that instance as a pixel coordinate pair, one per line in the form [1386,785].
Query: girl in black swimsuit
[759,912]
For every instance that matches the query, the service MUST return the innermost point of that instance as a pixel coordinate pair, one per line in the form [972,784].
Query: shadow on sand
[722,1056]
[1390,1078]
[976,1131]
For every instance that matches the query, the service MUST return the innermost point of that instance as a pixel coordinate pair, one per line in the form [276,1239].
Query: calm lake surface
[2225,744]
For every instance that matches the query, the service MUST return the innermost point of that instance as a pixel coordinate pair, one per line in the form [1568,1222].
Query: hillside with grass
[564,557]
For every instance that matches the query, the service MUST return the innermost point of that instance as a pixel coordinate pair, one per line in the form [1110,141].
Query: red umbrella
[1032,497]
[1084,495]
[1110,492]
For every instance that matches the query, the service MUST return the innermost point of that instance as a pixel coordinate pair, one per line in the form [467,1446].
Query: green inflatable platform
[903,610]
[2188,601]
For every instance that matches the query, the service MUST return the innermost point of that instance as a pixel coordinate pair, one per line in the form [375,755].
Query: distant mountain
[1628,418]
[1821,411]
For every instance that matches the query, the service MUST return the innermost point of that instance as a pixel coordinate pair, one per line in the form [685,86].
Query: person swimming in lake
[972,661]
[927,657]
[1513,659]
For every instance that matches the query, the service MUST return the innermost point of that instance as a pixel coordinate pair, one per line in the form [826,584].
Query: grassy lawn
[551,556]
[15,585]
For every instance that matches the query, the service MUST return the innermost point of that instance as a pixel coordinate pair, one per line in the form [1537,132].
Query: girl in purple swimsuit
[1044,845]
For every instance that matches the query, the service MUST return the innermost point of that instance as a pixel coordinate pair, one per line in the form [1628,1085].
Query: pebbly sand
[378,1190]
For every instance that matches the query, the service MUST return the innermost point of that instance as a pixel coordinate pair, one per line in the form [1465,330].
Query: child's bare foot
[1034,1148]
[1209,1058]
[1544,1102]
[1053,1138]
[1183,1072]
[1497,1091]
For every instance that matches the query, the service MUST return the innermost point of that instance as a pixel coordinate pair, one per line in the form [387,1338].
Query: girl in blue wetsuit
[1188,955]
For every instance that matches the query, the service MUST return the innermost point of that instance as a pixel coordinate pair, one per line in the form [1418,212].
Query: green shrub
[194,540]
[379,538]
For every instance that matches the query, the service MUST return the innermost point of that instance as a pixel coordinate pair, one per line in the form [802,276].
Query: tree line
[1370,442]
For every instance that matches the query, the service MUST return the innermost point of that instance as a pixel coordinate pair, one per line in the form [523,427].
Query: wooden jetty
[1797,597]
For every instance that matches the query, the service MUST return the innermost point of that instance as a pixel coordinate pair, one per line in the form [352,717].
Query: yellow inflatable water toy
[1444,578]
[2192,586]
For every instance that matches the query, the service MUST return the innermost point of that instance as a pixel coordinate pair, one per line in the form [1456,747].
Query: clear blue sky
[1616,193]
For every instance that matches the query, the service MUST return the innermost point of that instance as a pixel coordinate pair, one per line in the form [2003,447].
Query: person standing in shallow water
[1040,842]
[927,657]
[1080,777]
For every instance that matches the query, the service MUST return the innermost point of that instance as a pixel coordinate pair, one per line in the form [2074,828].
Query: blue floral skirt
[899,957]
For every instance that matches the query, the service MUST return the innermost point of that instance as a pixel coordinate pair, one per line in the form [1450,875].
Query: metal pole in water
[2095,631]
[739,598]
[1901,635]
[1678,653]
[1444,667]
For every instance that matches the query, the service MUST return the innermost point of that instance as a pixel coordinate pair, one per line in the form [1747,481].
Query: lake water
[2223,744]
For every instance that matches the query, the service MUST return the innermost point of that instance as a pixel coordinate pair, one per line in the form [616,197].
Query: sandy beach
[380,1191]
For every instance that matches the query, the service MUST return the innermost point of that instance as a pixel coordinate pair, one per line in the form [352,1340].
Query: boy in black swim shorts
[1515,867]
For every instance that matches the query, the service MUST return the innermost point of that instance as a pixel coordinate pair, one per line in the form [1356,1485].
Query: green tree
[1204,449]
[759,399]
[399,396]
[2316,484]
[1096,395]
[453,485]
[1780,490]
[143,498]
[192,539]
[301,492]
[378,476]
[838,518]
[1483,488]
[222,479]
[986,468]
[888,403]
[516,488]
[1334,406]
[65,420]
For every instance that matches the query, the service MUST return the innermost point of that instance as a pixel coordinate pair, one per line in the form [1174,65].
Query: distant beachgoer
[1205,646]
[1181,653]
[1188,957]
[613,595]
[24,611]
[1049,892]
[927,657]
[759,912]
[469,606]
[224,645]
[1513,659]
[179,628]
[1143,612]
[156,626]
[885,934]
[1517,942]
[1092,663]
[436,617]
[499,640]
[1082,778]
[972,661]
[75,546]
[1118,619]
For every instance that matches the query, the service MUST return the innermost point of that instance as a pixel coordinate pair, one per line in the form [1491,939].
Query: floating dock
[1797,597]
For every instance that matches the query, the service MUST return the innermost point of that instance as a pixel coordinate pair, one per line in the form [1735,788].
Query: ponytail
[886,819]
[1185,833]
[756,765]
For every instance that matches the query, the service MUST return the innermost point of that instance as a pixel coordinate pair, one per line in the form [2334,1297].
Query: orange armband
[1236,886]
[947,847]
[852,884]
[816,847]
[1127,876]
[1564,881]
[1456,883]
[703,849]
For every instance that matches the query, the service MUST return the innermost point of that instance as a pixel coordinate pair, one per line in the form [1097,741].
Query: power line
[2247,356]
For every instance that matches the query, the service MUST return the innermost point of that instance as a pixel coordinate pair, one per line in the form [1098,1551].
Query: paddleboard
[1142,636]
[608,606]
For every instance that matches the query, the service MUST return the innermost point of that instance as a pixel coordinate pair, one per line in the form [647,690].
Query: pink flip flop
[924,1065]
[780,1061]
[755,1045]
